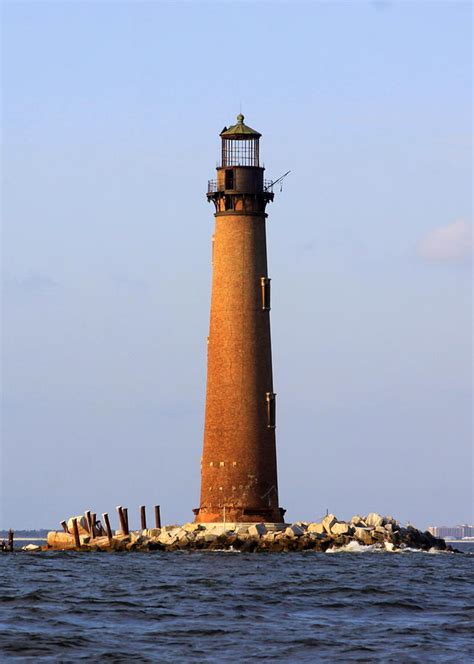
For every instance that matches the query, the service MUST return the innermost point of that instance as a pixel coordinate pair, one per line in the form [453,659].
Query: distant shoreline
[30,539]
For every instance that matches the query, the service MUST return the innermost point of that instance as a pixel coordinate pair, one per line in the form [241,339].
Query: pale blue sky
[111,116]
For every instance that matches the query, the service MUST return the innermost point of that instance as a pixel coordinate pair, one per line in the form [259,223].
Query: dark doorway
[229,179]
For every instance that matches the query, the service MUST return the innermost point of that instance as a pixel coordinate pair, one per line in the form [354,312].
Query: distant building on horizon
[456,532]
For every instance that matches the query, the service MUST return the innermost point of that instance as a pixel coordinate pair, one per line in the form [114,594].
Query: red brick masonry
[239,471]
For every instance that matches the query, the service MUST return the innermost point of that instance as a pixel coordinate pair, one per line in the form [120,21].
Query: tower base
[240,515]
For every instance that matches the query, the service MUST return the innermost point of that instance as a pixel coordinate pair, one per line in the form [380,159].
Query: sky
[111,114]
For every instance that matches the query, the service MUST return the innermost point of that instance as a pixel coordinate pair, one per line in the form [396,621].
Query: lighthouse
[239,465]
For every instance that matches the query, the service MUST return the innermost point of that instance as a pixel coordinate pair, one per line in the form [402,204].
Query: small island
[378,532]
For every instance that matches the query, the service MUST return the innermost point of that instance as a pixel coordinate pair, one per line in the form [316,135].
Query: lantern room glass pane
[239,152]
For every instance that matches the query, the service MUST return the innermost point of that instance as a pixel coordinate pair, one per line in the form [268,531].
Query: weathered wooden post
[143,516]
[64,525]
[94,532]
[10,540]
[125,516]
[123,523]
[120,516]
[108,529]
[75,530]
[157,517]
[87,514]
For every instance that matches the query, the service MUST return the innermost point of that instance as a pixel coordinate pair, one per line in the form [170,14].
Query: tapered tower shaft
[239,471]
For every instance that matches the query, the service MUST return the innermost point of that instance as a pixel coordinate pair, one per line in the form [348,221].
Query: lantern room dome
[240,130]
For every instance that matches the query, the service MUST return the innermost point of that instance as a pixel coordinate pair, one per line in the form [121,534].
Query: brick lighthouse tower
[239,469]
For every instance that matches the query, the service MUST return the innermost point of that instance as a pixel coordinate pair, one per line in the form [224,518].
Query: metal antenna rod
[276,181]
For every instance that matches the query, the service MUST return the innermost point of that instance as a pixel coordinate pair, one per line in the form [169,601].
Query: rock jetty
[374,530]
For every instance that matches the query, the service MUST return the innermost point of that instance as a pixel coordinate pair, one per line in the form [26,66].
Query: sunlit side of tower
[238,469]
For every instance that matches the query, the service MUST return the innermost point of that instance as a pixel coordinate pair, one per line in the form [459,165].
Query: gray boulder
[294,531]
[328,522]
[210,537]
[257,530]
[363,535]
[341,528]
[358,521]
[373,519]
[316,528]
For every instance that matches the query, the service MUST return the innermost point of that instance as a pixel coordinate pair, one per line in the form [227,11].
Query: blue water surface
[228,607]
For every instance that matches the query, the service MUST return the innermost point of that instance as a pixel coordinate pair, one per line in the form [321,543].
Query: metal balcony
[212,187]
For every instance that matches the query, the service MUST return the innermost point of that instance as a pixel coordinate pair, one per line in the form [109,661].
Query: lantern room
[240,145]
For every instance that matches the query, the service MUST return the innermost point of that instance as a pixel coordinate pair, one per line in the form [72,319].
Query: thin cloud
[447,244]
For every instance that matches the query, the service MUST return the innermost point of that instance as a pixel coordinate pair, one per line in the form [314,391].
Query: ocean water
[347,606]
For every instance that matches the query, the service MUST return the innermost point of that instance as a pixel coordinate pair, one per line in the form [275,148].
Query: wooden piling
[120,516]
[123,523]
[64,525]
[143,516]
[125,514]
[87,514]
[157,517]
[94,530]
[10,540]
[108,529]
[75,531]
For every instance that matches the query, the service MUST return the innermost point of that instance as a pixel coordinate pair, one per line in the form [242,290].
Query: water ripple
[219,607]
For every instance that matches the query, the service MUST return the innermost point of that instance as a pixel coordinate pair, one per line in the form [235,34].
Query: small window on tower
[229,179]
[265,283]
[271,410]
